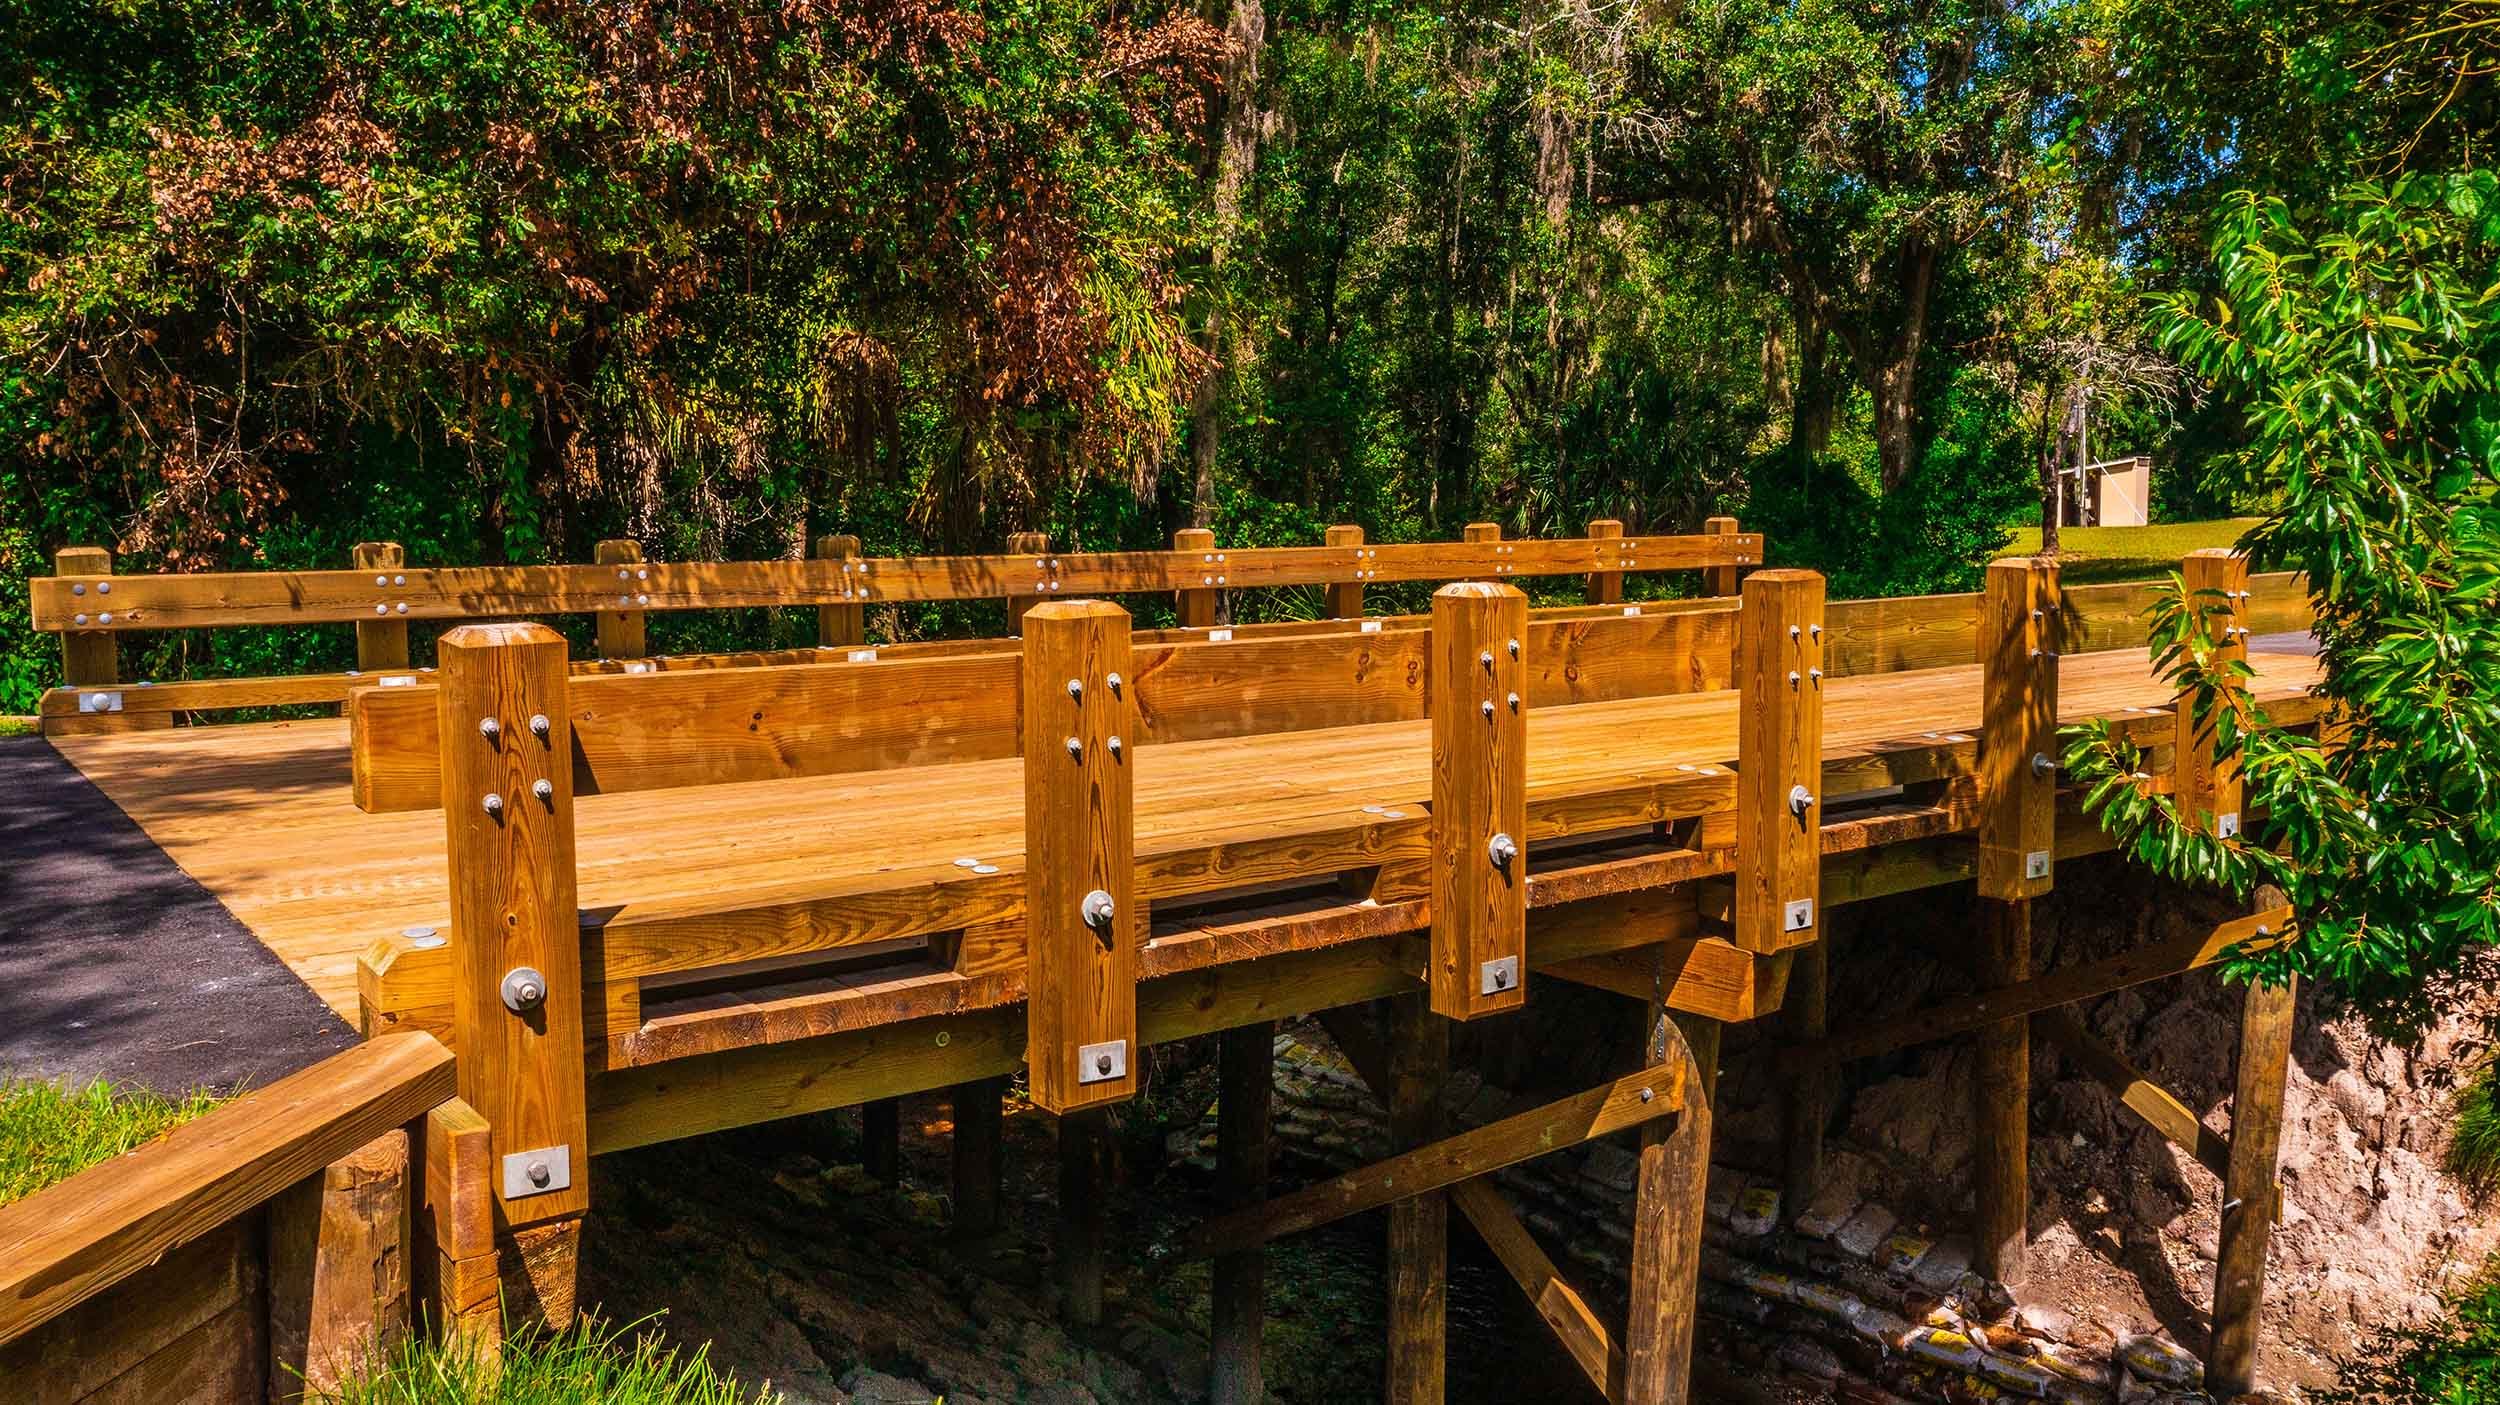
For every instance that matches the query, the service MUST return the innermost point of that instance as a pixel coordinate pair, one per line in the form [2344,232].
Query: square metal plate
[556,1163]
[1101,1063]
[2036,864]
[2227,825]
[1495,977]
[1798,916]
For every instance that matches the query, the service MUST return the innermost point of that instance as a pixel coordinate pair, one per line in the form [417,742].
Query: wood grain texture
[1670,1187]
[1237,1307]
[2248,1196]
[1628,1101]
[1723,577]
[73,1240]
[1419,1217]
[2001,1099]
[190,1327]
[1031,565]
[512,898]
[1080,838]
[1198,607]
[1345,593]
[1083,1232]
[455,1201]
[381,645]
[1779,750]
[89,657]
[338,1270]
[1604,587]
[1806,1093]
[2018,699]
[2207,786]
[1479,799]
[840,626]
[622,634]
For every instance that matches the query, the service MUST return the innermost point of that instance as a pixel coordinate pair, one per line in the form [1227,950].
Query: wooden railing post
[1605,587]
[1779,765]
[840,626]
[382,644]
[2018,615]
[517,1000]
[1479,799]
[89,658]
[1035,545]
[2207,789]
[621,632]
[1082,917]
[1198,607]
[1723,579]
[1345,598]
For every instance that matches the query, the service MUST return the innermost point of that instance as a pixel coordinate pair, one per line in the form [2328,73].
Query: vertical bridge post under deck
[2018,614]
[517,1000]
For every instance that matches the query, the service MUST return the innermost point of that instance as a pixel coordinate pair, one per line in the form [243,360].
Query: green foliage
[2455,1362]
[50,1131]
[589,1361]
[2360,342]
[2473,1154]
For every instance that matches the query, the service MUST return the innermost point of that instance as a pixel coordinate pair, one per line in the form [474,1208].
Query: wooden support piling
[622,632]
[1245,1099]
[2018,615]
[880,1140]
[1479,799]
[979,1112]
[840,626]
[1605,587]
[1779,766]
[1723,579]
[381,644]
[1806,1104]
[338,1270]
[1419,1064]
[517,1004]
[89,658]
[1198,607]
[1084,1147]
[1673,1183]
[1031,547]
[2249,1204]
[1345,597]
[2207,787]
[1083,919]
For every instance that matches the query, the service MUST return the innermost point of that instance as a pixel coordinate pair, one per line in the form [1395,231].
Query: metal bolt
[381,580]
[1647,1095]
[524,989]
[1800,800]
[403,607]
[105,618]
[1486,658]
[1817,675]
[106,587]
[540,726]
[1817,631]
[1514,702]
[1076,749]
[494,805]
[1488,710]
[79,589]
[1076,690]
[1112,681]
[1114,744]
[1792,678]
[1795,632]
[1098,910]
[1102,1064]
[1514,648]
[2042,766]
[80,619]
[381,609]
[490,729]
[545,790]
[1502,850]
[538,1174]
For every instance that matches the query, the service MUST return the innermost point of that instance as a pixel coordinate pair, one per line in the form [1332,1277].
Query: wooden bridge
[643,899]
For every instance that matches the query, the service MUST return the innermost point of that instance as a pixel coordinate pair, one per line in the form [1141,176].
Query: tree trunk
[1814,403]
[1236,155]
[1894,378]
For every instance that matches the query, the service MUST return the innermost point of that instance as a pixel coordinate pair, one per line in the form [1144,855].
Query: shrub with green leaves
[2361,341]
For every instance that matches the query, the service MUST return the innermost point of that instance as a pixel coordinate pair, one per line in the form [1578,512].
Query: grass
[2096,554]
[52,1131]
[589,1361]
[2473,1155]
[15,726]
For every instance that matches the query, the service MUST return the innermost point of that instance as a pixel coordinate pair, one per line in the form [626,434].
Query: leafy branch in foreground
[2362,342]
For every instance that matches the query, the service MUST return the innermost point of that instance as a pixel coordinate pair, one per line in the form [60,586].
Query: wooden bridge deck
[261,814]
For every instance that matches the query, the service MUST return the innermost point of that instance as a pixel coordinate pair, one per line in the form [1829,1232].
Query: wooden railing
[89,606]
[143,1278]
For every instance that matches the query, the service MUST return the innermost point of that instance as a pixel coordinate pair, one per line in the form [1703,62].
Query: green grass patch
[13,726]
[2095,554]
[588,1361]
[2473,1155]
[51,1131]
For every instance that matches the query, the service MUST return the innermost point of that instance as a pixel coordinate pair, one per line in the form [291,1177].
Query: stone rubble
[1843,1299]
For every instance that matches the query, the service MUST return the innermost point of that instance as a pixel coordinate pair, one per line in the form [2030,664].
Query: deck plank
[261,814]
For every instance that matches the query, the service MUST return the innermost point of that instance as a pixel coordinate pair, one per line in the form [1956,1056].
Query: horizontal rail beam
[88,604]
[72,1241]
